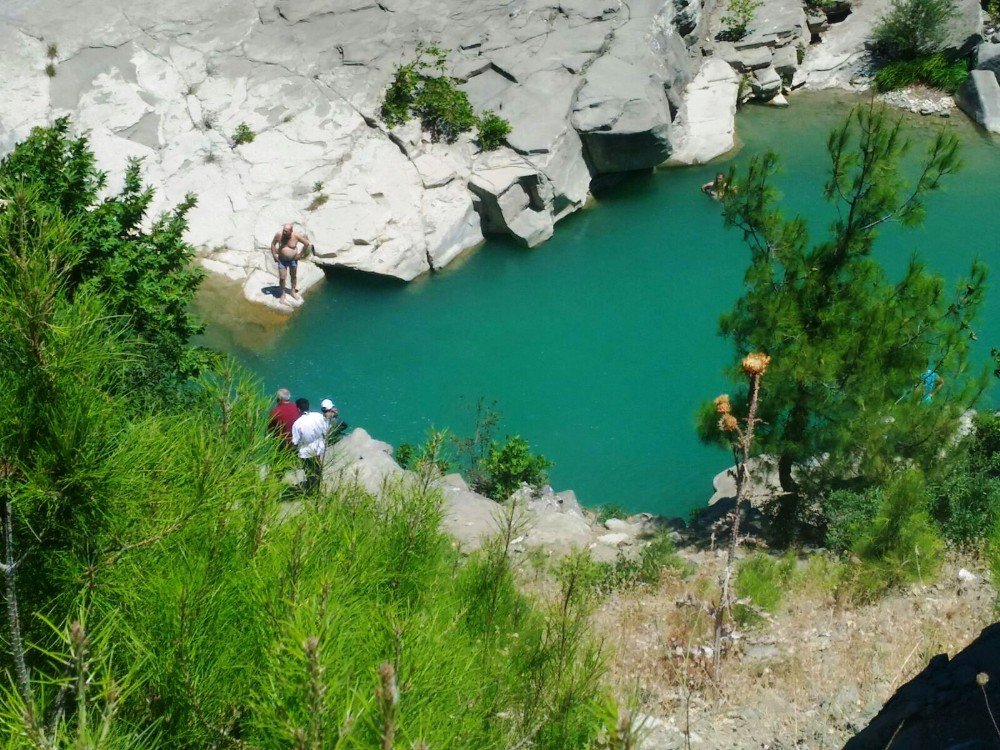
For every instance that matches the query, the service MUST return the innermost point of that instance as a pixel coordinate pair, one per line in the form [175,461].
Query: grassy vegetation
[935,71]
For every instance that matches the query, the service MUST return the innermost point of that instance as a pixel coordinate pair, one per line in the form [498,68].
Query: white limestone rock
[357,457]
[979,98]
[261,286]
[706,123]
[170,82]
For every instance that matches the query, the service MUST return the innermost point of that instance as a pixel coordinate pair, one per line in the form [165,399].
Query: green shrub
[913,28]
[763,580]
[422,89]
[966,502]
[848,513]
[443,109]
[900,545]
[510,465]
[243,134]
[50,69]
[739,16]
[492,131]
[933,70]
[404,454]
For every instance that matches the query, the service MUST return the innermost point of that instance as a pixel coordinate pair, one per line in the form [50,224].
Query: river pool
[599,345]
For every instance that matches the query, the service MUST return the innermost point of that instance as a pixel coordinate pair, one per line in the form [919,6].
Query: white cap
[326,404]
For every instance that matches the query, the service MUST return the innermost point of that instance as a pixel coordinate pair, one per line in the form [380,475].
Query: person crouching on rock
[286,251]
[309,436]
[332,414]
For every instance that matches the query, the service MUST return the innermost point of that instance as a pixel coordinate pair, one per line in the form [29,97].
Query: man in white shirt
[309,436]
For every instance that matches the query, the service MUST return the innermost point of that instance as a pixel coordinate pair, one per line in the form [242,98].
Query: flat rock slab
[262,287]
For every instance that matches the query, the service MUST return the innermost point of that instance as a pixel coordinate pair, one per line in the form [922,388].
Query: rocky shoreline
[592,88]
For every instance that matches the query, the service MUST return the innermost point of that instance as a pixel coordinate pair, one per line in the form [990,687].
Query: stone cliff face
[590,87]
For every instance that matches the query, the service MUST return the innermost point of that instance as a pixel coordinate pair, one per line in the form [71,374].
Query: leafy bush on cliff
[422,89]
[913,29]
[739,15]
[493,131]
[510,465]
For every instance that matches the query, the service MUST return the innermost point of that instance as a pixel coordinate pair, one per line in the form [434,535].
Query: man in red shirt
[283,415]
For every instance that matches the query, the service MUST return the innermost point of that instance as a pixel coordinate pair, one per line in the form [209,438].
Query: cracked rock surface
[589,86]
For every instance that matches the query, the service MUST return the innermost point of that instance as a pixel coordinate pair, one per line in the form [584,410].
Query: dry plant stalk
[387,697]
[741,438]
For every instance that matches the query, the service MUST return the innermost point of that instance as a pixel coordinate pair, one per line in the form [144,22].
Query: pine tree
[144,271]
[845,396]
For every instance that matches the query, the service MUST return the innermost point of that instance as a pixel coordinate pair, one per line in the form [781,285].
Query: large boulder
[514,199]
[965,30]
[359,458]
[979,98]
[623,117]
[706,123]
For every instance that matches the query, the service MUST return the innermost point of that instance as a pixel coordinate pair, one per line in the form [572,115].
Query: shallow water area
[599,345]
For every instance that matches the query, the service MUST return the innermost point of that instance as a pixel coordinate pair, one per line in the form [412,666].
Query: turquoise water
[599,345]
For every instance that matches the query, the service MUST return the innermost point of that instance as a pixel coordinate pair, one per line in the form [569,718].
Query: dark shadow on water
[621,184]
[362,279]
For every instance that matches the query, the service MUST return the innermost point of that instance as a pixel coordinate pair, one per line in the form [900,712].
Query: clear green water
[599,345]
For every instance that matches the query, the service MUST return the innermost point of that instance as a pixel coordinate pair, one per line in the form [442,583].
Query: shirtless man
[286,253]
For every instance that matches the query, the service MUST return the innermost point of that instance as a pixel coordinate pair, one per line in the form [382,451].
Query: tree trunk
[10,594]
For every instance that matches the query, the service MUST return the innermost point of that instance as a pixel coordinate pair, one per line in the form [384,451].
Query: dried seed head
[722,405]
[755,363]
[728,423]
[982,678]
[77,636]
[311,646]
[388,691]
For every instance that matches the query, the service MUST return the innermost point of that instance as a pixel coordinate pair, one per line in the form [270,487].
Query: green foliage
[141,270]
[190,606]
[900,544]
[739,15]
[965,503]
[848,515]
[992,9]
[510,465]
[913,28]
[934,70]
[763,580]
[492,131]
[243,134]
[848,345]
[611,510]
[50,69]
[422,89]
